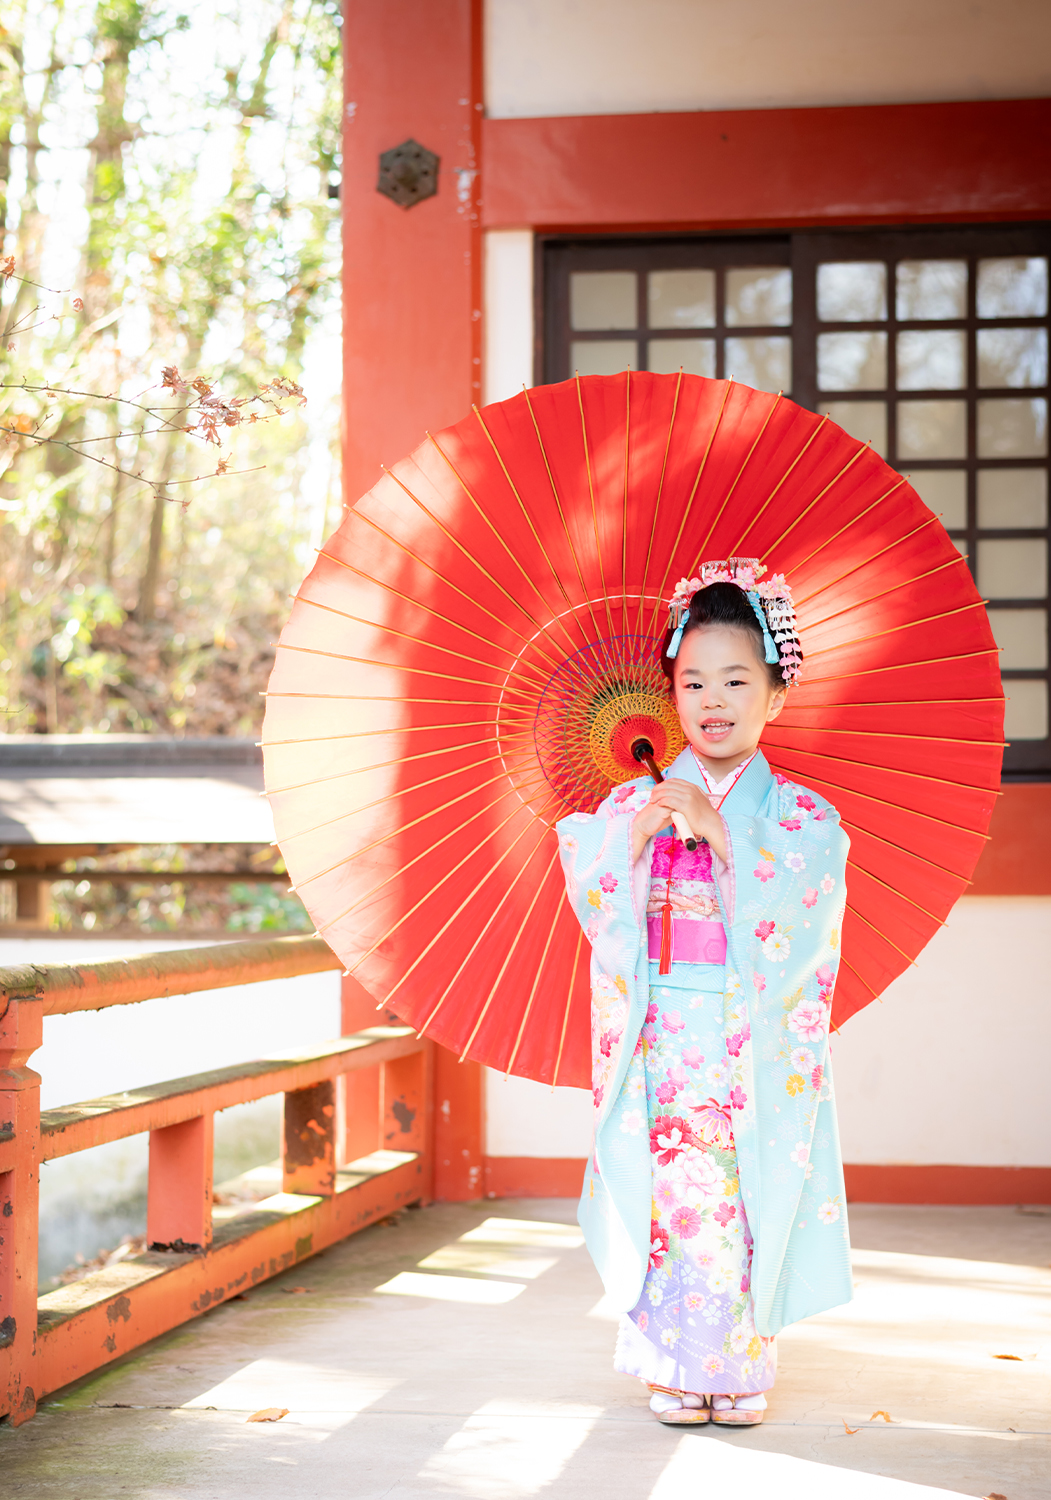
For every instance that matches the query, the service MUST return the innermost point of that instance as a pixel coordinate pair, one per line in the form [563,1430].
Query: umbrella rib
[852,864]
[856,567]
[594,512]
[532,992]
[902,666]
[819,496]
[880,734]
[852,522]
[883,935]
[404,635]
[364,734]
[729,494]
[375,625]
[399,760]
[859,640]
[802,708]
[854,827]
[540,627]
[448,923]
[522,506]
[902,584]
[689,503]
[395,666]
[874,993]
[846,760]
[657,502]
[896,806]
[561,513]
[394,541]
[735,549]
[510,954]
[569,1002]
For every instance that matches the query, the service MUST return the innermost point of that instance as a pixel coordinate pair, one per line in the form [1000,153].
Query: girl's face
[723,694]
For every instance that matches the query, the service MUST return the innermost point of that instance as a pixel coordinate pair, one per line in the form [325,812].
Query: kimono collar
[748,792]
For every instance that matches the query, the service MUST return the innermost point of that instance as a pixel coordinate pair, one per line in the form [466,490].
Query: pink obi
[691,942]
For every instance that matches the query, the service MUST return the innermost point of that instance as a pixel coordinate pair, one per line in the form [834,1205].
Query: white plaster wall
[593,57]
[508,312]
[952,1067]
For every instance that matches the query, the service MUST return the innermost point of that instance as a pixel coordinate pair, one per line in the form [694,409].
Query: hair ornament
[771,599]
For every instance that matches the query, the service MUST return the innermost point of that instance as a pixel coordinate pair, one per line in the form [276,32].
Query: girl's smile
[724,695]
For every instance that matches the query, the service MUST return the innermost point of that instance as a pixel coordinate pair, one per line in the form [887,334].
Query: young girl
[713,1203]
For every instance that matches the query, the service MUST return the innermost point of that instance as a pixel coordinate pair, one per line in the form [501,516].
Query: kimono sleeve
[606,888]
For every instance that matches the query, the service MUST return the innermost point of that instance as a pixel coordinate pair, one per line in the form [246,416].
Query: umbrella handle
[642,751]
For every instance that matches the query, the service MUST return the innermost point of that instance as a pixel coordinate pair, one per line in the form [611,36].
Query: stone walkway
[465,1351]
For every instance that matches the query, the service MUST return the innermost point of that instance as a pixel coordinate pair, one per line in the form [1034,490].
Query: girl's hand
[685,798]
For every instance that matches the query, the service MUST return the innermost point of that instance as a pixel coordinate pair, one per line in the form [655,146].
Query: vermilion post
[310,1140]
[179,1201]
[21,1033]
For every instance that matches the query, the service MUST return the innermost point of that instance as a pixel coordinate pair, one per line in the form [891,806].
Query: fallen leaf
[884,1414]
[1008,1356]
[995,1495]
[294,1291]
[269,1414]
[850,1431]
[78,304]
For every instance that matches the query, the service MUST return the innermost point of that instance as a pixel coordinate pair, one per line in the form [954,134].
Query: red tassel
[665,963]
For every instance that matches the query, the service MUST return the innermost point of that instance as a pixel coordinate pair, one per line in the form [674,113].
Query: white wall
[593,57]
[951,1067]
[508,364]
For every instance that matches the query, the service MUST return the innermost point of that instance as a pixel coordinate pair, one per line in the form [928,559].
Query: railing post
[406,1086]
[21,1033]
[179,1197]
[310,1140]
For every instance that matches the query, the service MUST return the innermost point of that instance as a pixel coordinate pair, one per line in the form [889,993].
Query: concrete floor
[451,1355]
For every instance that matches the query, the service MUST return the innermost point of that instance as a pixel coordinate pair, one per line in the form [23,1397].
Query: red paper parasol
[468,659]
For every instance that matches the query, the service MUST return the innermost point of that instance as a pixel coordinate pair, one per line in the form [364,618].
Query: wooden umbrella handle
[642,751]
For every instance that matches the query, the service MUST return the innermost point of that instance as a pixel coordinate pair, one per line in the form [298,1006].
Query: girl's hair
[727,605]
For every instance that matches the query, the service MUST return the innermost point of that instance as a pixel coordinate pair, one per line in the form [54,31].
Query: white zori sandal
[738,1411]
[678,1408]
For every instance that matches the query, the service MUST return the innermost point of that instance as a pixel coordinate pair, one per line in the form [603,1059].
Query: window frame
[559,255]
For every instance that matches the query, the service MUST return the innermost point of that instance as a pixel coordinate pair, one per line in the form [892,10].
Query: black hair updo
[728,605]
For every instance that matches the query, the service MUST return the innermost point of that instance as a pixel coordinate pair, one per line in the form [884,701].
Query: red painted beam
[1013,861]
[919,1183]
[873,164]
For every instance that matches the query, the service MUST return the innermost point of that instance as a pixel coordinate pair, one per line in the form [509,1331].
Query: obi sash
[691,942]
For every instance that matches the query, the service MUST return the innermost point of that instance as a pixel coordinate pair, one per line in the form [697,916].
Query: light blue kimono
[787,857]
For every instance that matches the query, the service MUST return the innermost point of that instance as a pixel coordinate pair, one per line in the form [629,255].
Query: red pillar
[412,339]
[411,276]
[179,1198]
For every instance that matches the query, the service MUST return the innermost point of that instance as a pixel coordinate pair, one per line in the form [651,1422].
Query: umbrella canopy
[477,644]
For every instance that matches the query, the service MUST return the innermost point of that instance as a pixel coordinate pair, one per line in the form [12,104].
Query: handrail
[65,988]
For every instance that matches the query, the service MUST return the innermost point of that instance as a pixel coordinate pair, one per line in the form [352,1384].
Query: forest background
[169,181]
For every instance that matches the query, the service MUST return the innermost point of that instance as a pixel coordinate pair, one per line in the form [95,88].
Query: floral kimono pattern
[713,1203]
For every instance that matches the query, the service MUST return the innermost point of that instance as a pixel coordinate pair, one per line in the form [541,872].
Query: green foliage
[170,164]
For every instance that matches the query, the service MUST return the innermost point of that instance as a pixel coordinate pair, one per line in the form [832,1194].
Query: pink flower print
[651,1014]
[736,1042]
[669,1137]
[828,885]
[678,1077]
[685,1222]
[597,1094]
[713,1124]
[693,1301]
[746,1282]
[672,1021]
[607,1041]
[810,899]
[801,1155]
[658,1245]
[765,870]
[764,930]
[817,1075]
[666,1092]
[713,1365]
[808,1020]
[807,802]
[701,1175]
[724,1213]
[819,817]
[665,1194]
[781,780]
[825,975]
[738,1098]
[643,1321]
[759,982]
[703,1262]
[608,882]
[692,1057]
[792,824]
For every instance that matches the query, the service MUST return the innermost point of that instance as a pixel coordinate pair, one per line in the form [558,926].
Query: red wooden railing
[335,1180]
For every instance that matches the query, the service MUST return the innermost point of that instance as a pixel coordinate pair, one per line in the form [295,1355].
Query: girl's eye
[735,682]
